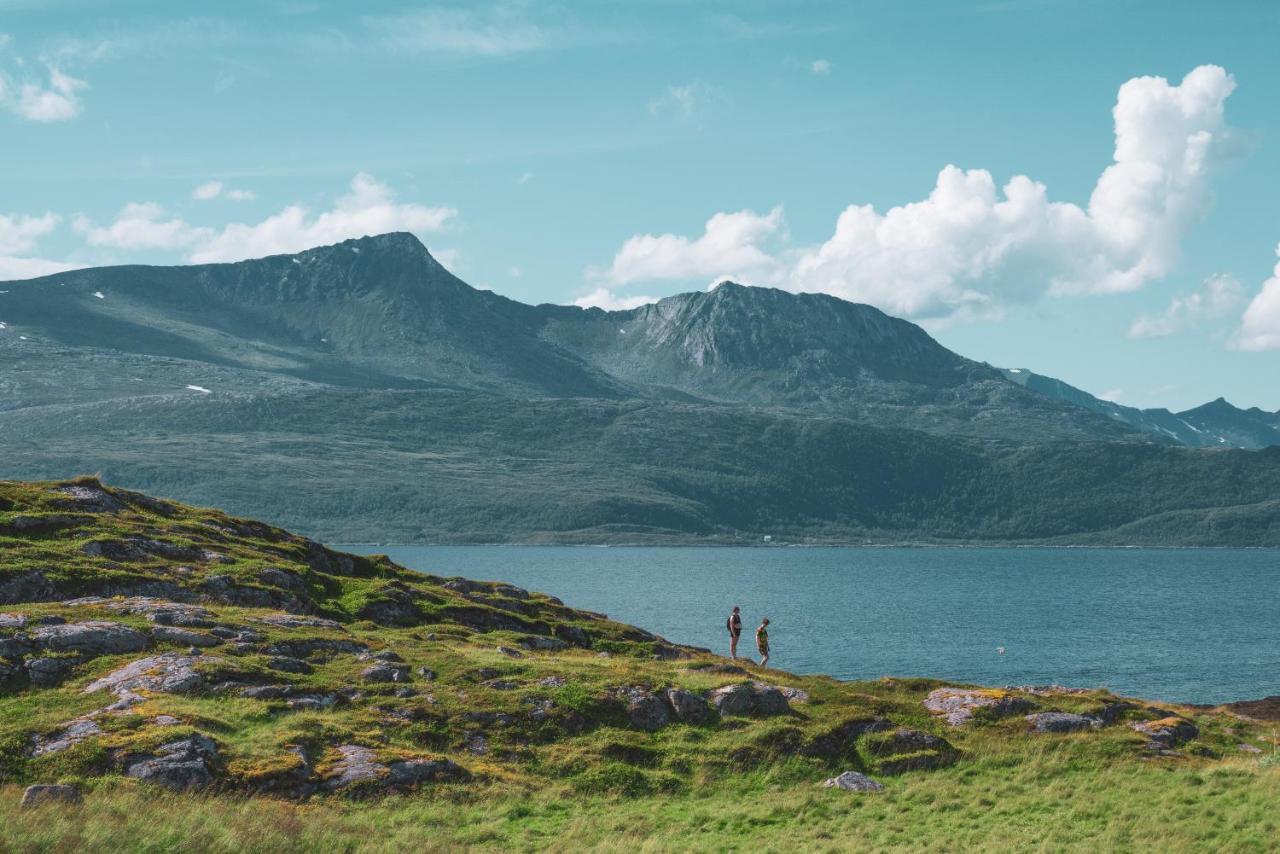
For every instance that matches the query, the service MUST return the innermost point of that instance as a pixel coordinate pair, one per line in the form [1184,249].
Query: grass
[1057,797]
[554,763]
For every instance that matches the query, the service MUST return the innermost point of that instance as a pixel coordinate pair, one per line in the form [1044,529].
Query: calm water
[1190,625]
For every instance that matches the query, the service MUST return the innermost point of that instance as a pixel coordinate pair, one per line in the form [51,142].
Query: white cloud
[207,191]
[1221,295]
[681,101]
[19,236]
[730,247]
[369,208]
[609,301]
[970,247]
[821,66]
[142,225]
[211,190]
[525,178]
[19,233]
[464,32]
[54,101]
[514,272]
[1112,395]
[1260,326]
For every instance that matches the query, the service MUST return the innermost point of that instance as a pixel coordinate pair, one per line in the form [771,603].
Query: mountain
[362,392]
[1215,424]
[205,671]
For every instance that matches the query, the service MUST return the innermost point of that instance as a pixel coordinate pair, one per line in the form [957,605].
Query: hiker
[734,625]
[762,642]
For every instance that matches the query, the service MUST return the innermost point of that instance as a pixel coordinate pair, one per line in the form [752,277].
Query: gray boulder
[645,710]
[957,706]
[357,765]
[47,672]
[178,765]
[385,673]
[168,673]
[412,771]
[733,699]
[749,698]
[13,621]
[687,707]
[16,647]
[769,700]
[69,736]
[1062,722]
[266,692]
[95,637]
[182,637]
[285,664]
[542,644]
[36,795]
[852,781]
[1167,732]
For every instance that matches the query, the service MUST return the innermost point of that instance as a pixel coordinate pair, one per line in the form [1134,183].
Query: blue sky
[611,151]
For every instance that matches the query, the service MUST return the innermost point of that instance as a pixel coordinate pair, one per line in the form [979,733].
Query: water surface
[1189,625]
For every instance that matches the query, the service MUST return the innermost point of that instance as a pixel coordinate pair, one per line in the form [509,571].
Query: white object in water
[999,650]
[200,389]
[99,295]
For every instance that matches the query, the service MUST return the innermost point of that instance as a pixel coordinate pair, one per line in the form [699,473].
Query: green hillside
[206,682]
[383,399]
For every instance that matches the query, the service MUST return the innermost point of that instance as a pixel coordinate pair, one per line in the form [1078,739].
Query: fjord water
[1200,626]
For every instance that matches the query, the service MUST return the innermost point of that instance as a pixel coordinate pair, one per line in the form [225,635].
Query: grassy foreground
[1058,796]
[494,718]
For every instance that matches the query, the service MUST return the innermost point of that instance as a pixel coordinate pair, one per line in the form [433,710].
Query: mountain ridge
[362,392]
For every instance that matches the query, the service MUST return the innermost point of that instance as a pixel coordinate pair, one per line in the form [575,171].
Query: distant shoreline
[727,545]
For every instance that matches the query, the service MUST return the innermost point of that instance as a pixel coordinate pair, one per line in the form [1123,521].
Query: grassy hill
[439,466]
[212,683]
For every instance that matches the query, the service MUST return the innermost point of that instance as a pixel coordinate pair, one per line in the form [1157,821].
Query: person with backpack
[762,642]
[734,625]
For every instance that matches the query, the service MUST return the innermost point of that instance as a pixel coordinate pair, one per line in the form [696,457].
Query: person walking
[734,625]
[762,642]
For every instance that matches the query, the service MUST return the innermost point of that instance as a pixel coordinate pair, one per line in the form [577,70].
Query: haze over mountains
[362,392]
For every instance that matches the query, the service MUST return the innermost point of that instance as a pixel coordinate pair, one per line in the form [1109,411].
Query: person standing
[734,625]
[762,642]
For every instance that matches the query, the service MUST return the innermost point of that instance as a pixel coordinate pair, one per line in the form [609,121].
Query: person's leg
[733,646]
[764,658]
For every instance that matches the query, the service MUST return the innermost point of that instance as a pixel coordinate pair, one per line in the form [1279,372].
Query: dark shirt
[735,625]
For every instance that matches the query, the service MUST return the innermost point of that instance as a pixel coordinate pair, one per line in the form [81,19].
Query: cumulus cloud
[56,100]
[369,207]
[609,301]
[1219,297]
[142,225]
[211,190]
[1260,326]
[732,245]
[821,66]
[20,236]
[970,247]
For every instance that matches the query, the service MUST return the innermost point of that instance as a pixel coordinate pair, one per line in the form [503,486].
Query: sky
[1089,190]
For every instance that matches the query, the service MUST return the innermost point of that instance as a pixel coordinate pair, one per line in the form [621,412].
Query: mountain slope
[375,312]
[436,466]
[360,392]
[380,312]
[1215,424]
